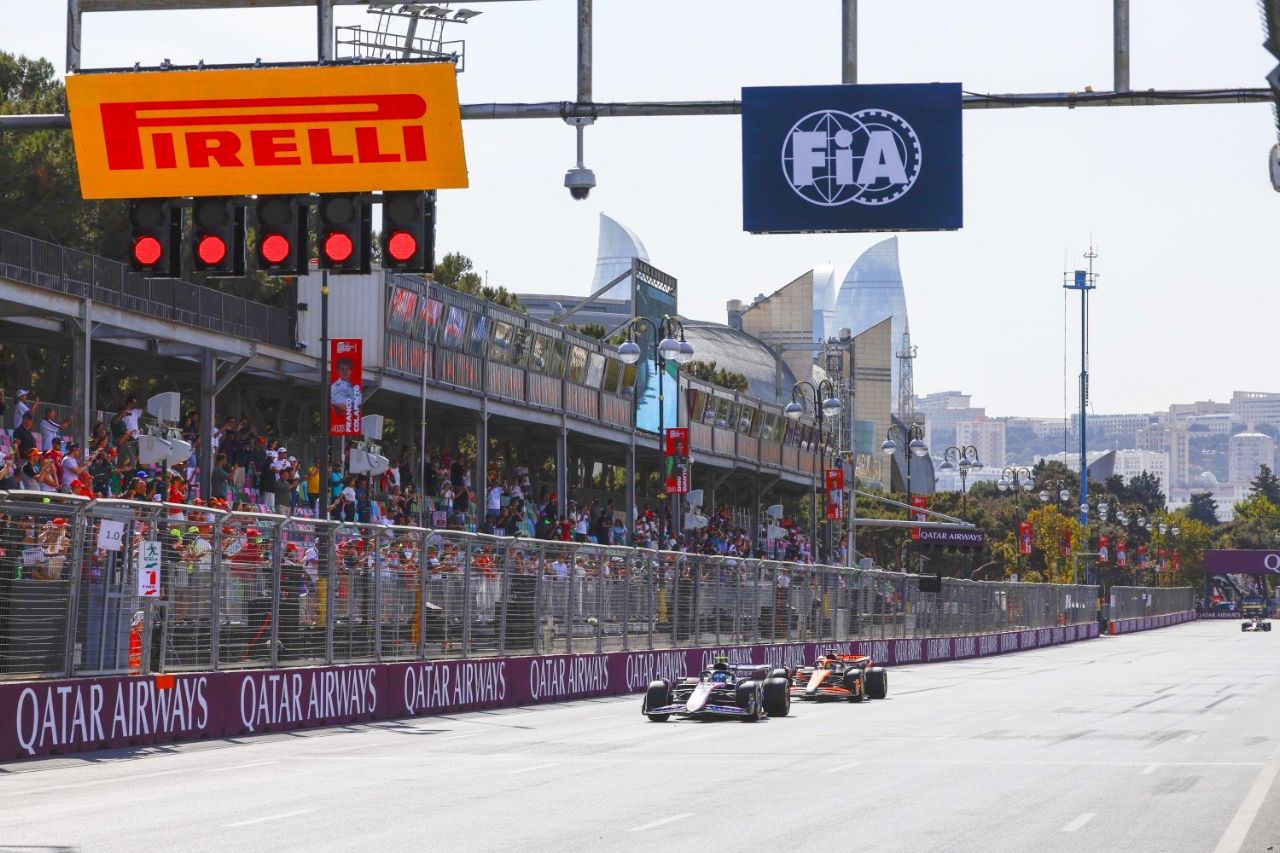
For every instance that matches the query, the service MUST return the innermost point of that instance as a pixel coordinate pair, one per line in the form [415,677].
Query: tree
[1266,485]
[708,372]
[1145,489]
[591,330]
[39,182]
[1204,509]
[456,272]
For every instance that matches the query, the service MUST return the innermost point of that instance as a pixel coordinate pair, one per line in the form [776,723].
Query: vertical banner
[345,386]
[1122,554]
[677,460]
[1066,545]
[148,569]
[1176,560]
[1024,538]
[1104,555]
[834,479]
[921,501]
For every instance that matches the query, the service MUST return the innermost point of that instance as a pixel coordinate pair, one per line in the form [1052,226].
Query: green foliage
[39,183]
[1145,489]
[456,272]
[1204,509]
[1266,485]
[1255,507]
[707,371]
[591,330]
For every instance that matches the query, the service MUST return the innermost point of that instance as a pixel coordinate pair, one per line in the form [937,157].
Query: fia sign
[852,158]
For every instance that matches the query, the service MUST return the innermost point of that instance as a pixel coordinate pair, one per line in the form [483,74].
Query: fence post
[538,589]
[601,581]
[378,558]
[76,568]
[468,546]
[277,559]
[216,589]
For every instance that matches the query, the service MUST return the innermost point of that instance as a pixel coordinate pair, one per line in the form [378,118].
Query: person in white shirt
[344,395]
[71,464]
[21,407]
[494,502]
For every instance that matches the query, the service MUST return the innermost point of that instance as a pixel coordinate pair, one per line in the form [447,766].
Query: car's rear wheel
[657,696]
[876,682]
[1244,626]
[780,672]
[777,697]
[1266,626]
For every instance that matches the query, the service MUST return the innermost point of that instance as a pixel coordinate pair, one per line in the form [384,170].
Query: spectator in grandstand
[24,437]
[21,406]
[220,478]
[9,470]
[72,465]
[51,429]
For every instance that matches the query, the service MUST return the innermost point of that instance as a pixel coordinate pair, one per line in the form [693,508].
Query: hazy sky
[1177,198]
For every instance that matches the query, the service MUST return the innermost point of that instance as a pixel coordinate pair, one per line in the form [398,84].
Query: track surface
[1161,741]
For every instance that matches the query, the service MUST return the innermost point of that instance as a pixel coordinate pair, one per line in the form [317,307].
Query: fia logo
[831,158]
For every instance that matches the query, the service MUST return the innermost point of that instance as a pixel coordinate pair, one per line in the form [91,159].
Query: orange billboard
[267,131]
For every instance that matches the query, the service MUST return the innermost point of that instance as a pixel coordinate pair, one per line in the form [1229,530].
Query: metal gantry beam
[1120,44]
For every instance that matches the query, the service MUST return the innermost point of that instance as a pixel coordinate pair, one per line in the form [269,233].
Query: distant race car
[745,691]
[840,676]
[1255,624]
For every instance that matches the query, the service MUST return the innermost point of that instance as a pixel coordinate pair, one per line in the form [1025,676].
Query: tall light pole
[913,438]
[1083,281]
[963,460]
[665,348]
[823,407]
[1016,479]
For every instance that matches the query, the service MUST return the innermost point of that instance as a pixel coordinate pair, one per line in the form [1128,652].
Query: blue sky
[1177,198]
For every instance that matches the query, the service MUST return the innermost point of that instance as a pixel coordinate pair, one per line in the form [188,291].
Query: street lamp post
[962,460]
[1016,479]
[823,407]
[913,437]
[665,348]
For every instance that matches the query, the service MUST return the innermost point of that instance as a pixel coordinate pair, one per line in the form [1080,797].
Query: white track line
[280,816]
[1192,738]
[531,769]
[458,737]
[663,822]
[99,782]
[241,766]
[1149,769]
[848,766]
[1079,822]
[1238,830]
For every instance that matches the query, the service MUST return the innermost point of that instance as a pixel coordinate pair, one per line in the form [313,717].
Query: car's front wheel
[777,697]
[657,696]
[877,682]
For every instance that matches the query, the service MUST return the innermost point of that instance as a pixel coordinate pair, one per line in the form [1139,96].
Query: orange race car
[840,676]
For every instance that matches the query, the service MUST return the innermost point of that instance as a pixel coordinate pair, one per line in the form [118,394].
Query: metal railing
[1132,602]
[80,274]
[238,590]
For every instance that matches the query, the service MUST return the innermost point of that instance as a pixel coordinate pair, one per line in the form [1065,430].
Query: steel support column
[324,30]
[562,470]
[1120,44]
[584,51]
[849,41]
[481,490]
[208,394]
[81,377]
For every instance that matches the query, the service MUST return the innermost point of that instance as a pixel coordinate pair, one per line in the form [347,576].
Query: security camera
[579,182]
[300,345]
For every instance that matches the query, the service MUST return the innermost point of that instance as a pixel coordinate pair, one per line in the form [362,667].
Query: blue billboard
[852,158]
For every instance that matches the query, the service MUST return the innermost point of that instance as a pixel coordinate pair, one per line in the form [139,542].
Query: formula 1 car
[1255,624]
[745,691]
[840,676]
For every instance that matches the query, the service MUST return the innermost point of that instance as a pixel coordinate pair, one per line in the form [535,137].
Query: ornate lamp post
[962,460]
[913,438]
[828,406]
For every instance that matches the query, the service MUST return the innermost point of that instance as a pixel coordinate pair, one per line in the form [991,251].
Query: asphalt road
[1163,741]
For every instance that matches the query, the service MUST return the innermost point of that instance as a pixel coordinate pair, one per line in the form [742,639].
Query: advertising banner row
[81,715]
[1146,623]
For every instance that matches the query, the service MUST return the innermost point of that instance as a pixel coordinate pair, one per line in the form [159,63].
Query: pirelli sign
[267,131]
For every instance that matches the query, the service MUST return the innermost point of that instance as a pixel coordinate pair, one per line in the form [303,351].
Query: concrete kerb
[42,718]
[1148,623]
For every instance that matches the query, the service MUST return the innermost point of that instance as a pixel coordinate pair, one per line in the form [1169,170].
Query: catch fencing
[1134,602]
[111,587]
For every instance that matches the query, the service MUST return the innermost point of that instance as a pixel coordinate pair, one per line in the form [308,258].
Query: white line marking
[1238,830]
[346,748]
[841,767]
[280,816]
[944,737]
[241,766]
[598,719]
[531,769]
[1149,769]
[1192,738]
[663,822]
[1079,822]
[457,737]
[1009,718]
[703,737]
[98,782]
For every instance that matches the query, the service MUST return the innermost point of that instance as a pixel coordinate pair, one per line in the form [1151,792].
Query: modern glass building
[872,290]
[618,245]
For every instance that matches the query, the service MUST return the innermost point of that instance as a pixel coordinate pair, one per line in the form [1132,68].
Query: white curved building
[618,245]
[872,290]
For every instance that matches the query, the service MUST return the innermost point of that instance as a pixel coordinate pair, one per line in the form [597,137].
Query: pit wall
[41,718]
[1147,623]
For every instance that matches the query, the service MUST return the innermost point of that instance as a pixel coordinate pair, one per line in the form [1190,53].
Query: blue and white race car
[745,691]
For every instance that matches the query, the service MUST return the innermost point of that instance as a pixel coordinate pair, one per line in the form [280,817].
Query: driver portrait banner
[346,390]
[834,479]
[267,131]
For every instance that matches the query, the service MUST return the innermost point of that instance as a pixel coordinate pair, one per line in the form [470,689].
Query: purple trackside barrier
[43,718]
[1146,623]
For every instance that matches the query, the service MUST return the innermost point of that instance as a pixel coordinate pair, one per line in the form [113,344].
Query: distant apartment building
[1247,452]
[1200,407]
[1226,495]
[986,436]
[1124,463]
[942,412]
[1121,428]
[1211,424]
[1048,427]
[1255,408]
[1173,440]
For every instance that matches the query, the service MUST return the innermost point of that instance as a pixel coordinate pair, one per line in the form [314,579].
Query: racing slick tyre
[658,695]
[1266,626]
[877,682]
[1244,626]
[748,697]
[777,696]
[856,684]
[780,672]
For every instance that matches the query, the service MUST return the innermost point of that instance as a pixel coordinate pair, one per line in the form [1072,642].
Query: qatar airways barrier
[80,715]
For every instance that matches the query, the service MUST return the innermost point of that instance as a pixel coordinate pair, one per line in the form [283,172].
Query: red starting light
[211,249]
[275,248]
[338,247]
[147,250]
[402,246]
